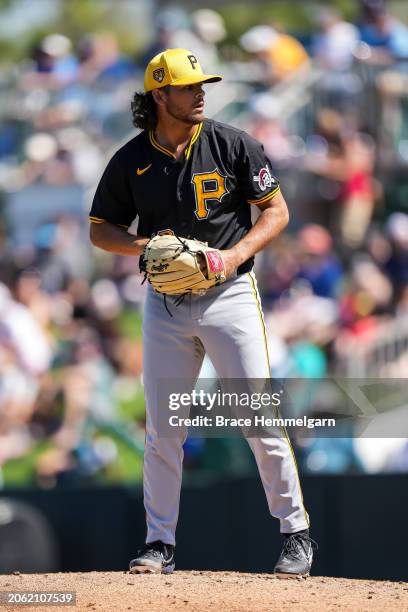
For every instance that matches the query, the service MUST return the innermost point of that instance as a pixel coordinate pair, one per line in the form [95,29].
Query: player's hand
[231,262]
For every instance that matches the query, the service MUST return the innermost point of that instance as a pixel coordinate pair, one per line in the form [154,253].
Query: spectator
[54,64]
[386,35]
[70,346]
[397,264]
[281,54]
[101,60]
[335,45]
[319,265]
[35,355]
[335,50]
[346,156]
[201,33]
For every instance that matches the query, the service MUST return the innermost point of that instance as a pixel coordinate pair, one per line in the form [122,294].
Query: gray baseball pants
[228,324]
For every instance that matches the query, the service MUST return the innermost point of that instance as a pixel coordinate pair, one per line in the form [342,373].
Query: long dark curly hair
[144,113]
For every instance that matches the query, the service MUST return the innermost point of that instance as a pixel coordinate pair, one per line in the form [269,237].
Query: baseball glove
[176,266]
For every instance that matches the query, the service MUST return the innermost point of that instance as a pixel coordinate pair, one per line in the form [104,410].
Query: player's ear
[160,96]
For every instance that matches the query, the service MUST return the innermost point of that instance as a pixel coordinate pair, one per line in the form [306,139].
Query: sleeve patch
[265,179]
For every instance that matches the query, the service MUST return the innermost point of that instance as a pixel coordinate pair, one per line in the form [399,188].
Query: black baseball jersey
[205,194]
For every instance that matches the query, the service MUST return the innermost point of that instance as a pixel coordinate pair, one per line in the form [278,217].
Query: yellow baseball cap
[175,67]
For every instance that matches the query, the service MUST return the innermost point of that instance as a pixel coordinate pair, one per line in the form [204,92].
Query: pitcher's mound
[209,592]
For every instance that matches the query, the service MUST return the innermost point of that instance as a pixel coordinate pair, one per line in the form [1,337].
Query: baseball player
[198,178]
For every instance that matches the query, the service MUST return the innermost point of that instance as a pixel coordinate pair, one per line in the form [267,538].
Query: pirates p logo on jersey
[208,186]
[264,179]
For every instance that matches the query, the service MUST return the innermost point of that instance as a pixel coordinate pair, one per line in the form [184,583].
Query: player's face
[186,103]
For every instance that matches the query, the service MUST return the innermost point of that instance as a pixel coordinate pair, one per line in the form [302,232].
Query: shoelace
[294,542]
[156,549]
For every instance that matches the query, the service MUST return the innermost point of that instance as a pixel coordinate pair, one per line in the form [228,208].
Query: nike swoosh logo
[141,171]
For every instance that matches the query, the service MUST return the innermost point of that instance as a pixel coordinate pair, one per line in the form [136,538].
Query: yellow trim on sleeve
[98,220]
[265,198]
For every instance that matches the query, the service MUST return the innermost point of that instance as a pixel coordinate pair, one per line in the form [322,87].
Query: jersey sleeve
[113,201]
[254,170]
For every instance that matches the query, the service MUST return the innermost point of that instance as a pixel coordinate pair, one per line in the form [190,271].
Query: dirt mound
[210,591]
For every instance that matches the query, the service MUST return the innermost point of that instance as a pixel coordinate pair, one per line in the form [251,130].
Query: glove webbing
[180,299]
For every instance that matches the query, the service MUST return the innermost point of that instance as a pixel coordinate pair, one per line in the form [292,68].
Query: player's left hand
[230,260]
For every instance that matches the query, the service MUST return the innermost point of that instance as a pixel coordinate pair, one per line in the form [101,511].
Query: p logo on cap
[175,67]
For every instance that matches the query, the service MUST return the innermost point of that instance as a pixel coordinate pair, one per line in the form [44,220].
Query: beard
[192,117]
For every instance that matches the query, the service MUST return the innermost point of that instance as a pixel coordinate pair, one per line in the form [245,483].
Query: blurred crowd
[334,287]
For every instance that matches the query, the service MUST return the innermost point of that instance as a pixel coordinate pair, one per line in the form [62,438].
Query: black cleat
[297,555]
[153,558]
